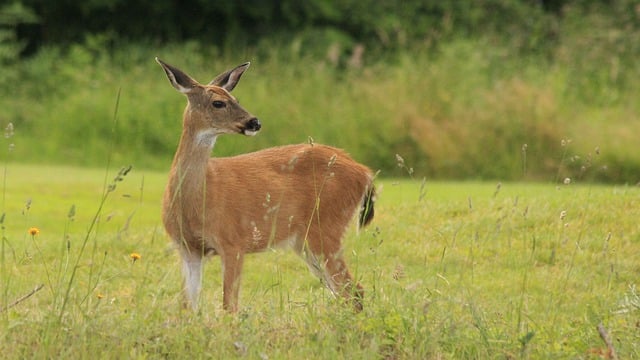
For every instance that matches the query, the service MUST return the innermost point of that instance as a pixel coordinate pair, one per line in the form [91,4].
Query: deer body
[298,196]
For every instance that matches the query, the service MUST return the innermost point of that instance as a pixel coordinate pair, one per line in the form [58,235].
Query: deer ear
[181,81]
[229,79]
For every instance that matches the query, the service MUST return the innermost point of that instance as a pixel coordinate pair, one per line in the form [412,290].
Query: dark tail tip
[367,211]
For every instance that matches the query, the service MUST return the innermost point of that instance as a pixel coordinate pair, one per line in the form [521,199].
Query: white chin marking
[249,132]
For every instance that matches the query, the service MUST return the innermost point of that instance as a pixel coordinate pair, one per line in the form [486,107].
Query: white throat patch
[206,138]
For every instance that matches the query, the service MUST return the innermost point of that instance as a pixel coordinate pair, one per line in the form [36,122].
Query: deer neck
[190,163]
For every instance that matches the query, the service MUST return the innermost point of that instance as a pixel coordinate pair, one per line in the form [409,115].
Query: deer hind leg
[339,279]
[231,270]
[192,275]
[332,269]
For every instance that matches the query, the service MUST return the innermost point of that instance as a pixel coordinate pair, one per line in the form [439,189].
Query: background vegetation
[487,90]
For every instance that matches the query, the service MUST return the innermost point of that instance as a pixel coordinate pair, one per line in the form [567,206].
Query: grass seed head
[8,131]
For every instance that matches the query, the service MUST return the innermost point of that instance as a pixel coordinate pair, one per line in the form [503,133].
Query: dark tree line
[380,23]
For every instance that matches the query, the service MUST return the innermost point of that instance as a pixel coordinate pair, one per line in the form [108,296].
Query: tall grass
[465,110]
[472,270]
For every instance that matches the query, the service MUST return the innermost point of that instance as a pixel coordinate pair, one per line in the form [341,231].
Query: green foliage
[600,50]
[11,16]
[378,24]
[472,110]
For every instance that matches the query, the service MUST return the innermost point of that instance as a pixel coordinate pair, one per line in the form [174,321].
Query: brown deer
[298,196]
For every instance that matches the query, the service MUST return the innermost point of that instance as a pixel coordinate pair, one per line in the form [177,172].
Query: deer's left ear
[229,79]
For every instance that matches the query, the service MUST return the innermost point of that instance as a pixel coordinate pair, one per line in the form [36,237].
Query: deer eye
[218,104]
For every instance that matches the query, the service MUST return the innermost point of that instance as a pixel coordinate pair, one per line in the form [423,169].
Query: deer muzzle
[252,127]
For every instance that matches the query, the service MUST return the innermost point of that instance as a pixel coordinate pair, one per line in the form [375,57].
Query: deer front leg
[192,277]
[231,271]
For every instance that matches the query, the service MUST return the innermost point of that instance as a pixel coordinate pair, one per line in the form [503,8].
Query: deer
[301,196]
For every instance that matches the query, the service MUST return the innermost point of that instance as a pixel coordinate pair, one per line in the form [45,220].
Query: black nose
[253,125]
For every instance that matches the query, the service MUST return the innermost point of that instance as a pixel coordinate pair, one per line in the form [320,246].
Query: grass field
[452,270]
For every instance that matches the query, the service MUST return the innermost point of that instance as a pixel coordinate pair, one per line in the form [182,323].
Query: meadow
[452,270]
[505,136]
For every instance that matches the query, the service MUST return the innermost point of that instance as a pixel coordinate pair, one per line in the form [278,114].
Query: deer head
[211,109]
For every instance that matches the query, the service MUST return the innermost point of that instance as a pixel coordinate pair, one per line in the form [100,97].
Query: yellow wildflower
[34,231]
[135,256]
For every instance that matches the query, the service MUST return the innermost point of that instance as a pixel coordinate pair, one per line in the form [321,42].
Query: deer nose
[253,125]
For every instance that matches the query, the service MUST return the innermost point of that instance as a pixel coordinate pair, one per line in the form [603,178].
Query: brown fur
[302,196]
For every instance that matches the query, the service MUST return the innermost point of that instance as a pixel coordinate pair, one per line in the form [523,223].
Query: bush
[472,107]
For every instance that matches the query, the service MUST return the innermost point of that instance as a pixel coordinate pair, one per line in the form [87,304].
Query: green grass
[452,270]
